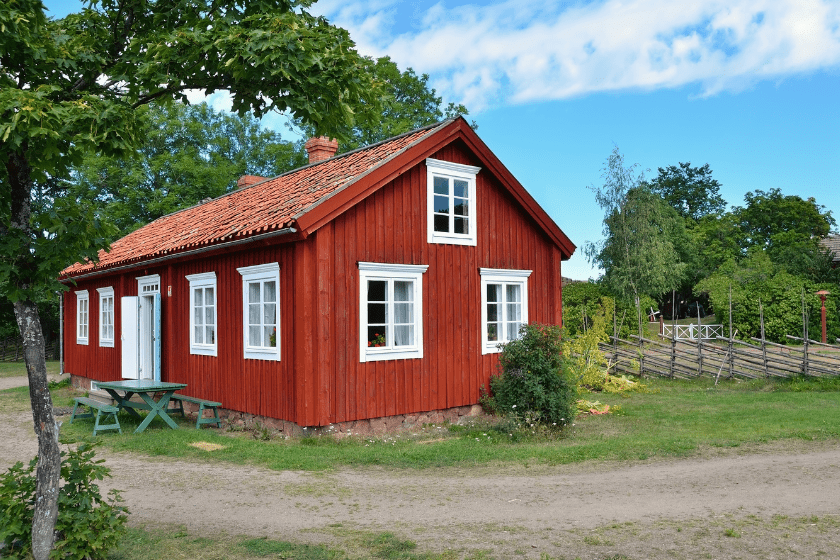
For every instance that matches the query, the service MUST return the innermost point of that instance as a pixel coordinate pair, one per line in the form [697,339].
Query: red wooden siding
[256,386]
[390,226]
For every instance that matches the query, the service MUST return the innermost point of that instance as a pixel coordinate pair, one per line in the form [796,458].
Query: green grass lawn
[674,419]
[17,369]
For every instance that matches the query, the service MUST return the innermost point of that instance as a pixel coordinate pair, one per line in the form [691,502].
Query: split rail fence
[722,357]
[11,349]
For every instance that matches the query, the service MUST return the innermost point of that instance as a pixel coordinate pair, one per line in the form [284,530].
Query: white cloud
[515,52]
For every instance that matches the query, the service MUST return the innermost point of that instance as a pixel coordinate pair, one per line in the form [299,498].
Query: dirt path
[727,505]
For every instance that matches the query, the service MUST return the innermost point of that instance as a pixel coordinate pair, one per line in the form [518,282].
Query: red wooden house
[376,283]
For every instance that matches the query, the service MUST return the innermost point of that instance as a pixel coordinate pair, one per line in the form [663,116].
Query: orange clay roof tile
[267,206]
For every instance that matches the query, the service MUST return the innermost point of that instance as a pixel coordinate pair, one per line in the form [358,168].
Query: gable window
[504,306]
[260,304]
[82,316]
[203,314]
[106,317]
[390,311]
[451,202]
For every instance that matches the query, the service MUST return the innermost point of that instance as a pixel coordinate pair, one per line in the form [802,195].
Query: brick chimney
[248,180]
[320,148]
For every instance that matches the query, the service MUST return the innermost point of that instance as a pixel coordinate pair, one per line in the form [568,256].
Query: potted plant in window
[378,340]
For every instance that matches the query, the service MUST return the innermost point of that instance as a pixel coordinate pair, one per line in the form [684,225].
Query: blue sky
[751,87]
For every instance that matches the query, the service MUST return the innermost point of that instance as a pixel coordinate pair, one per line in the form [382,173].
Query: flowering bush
[534,378]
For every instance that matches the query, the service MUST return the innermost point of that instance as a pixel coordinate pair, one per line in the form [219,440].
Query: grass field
[14,369]
[673,419]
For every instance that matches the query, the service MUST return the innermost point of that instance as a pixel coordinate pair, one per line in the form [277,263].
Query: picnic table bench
[178,400]
[101,408]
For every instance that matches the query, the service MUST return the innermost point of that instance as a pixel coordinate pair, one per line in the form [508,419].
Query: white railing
[692,331]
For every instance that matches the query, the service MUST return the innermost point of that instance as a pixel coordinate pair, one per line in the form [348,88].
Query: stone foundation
[370,427]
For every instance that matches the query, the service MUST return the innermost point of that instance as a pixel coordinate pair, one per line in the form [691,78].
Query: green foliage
[407,103]
[582,300]
[88,526]
[188,153]
[71,87]
[771,220]
[534,377]
[584,360]
[758,279]
[691,191]
[646,247]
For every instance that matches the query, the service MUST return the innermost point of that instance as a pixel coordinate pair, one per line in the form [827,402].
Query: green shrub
[534,379]
[87,527]
[582,300]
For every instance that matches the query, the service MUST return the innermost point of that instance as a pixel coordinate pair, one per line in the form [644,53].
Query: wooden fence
[11,350]
[722,357]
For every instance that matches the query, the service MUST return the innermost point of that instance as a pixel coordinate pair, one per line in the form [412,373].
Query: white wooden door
[129,337]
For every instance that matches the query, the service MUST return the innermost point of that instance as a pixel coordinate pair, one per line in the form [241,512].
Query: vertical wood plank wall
[390,227]
[319,379]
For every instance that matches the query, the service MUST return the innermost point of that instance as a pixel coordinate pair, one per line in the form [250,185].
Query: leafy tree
[189,153]
[408,103]
[691,191]
[771,220]
[646,246]
[72,86]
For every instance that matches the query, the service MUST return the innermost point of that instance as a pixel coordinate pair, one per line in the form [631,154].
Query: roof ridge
[307,166]
[370,170]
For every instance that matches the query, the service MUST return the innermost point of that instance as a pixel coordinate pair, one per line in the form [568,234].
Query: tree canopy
[187,154]
[691,191]
[407,103]
[645,243]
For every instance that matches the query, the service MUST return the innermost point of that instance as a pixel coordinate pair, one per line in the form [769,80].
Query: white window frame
[260,273]
[106,294]
[82,317]
[451,171]
[504,277]
[202,281]
[390,273]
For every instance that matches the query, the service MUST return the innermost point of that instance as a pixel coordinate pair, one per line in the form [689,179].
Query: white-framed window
[203,314]
[261,311]
[390,311]
[504,306]
[451,202]
[106,316]
[82,316]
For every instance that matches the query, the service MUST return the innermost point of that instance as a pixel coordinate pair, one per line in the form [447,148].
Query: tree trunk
[48,472]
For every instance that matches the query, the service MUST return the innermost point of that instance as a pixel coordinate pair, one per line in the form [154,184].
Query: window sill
[262,355]
[203,351]
[382,355]
[454,240]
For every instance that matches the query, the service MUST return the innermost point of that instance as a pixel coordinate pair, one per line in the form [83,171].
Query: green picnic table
[146,389]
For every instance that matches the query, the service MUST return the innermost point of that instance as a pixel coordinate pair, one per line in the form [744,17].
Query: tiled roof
[832,243]
[264,207]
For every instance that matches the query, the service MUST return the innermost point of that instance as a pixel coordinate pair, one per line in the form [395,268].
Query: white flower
[514,406]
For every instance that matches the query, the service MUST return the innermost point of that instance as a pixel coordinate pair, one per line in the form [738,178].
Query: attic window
[451,217]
